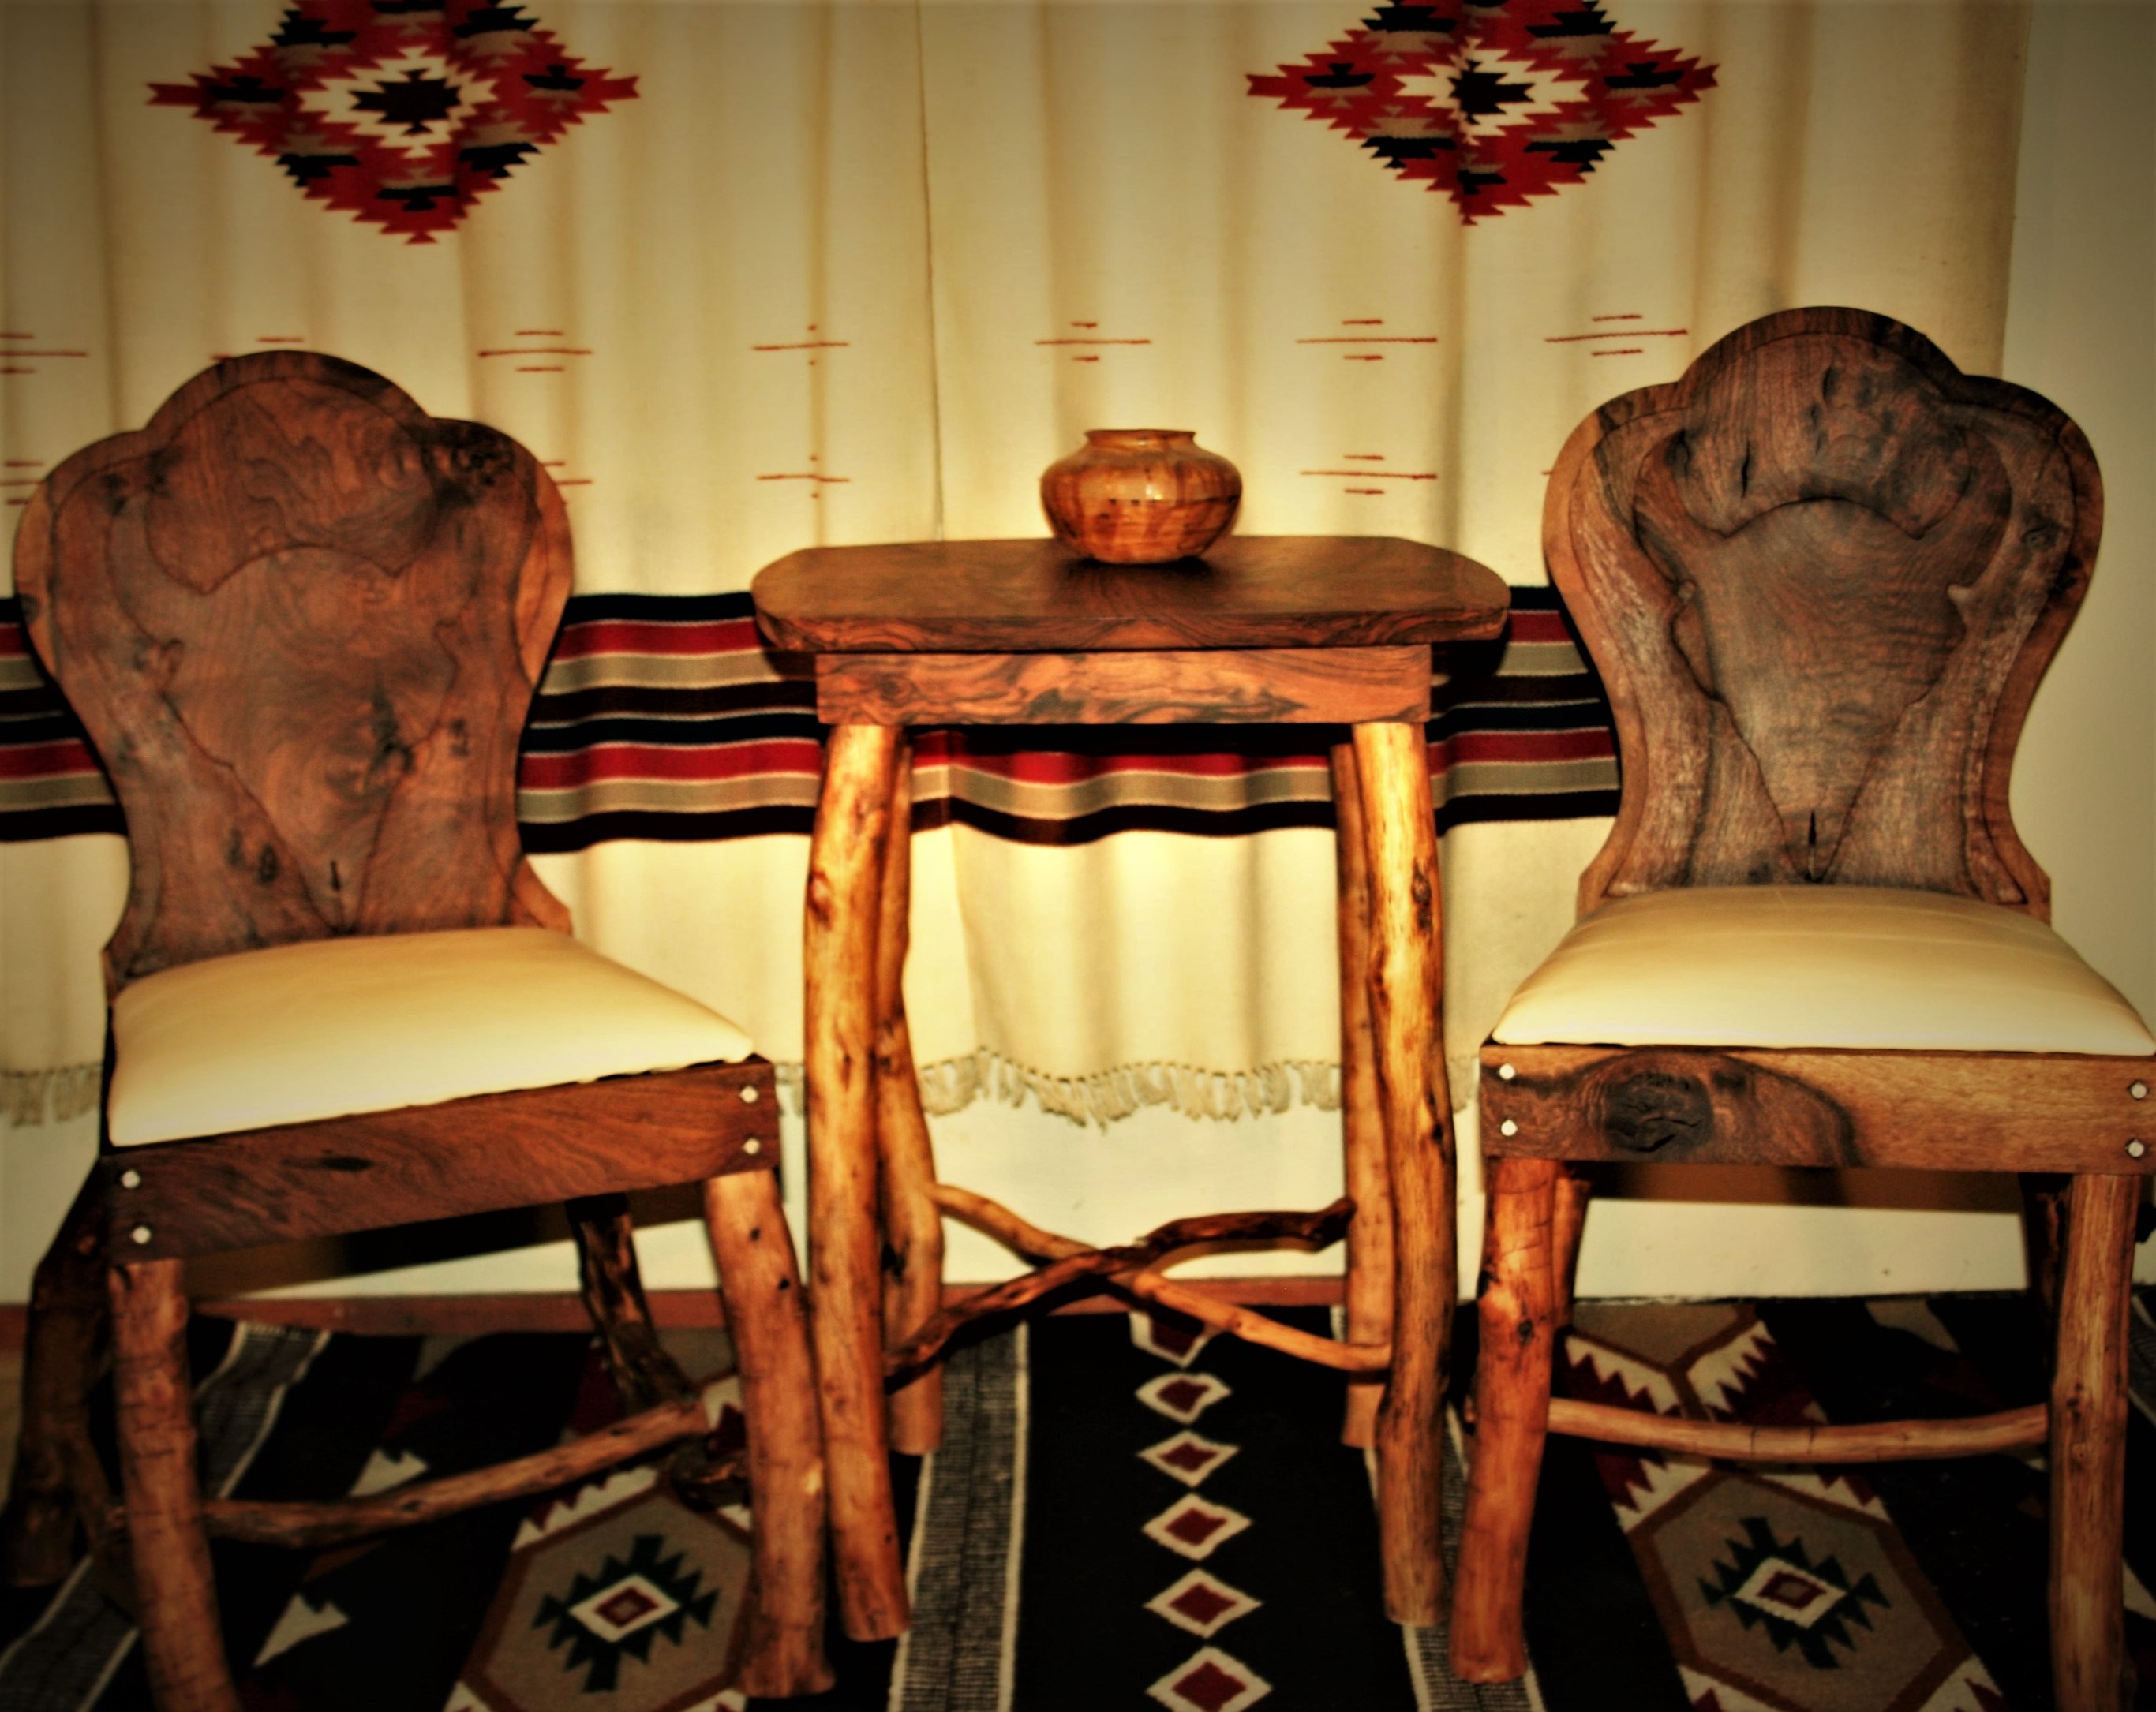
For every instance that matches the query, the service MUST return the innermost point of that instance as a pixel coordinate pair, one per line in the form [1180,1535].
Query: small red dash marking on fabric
[18,371]
[1616,318]
[1372,339]
[539,368]
[538,350]
[558,462]
[806,345]
[1356,356]
[280,339]
[17,335]
[1629,333]
[1622,351]
[1365,457]
[25,500]
[573,481]
[1362,490]
[19,481]
[1377,475]
[1085,359]
[49,353]
[540,333]
[1364,321]
[1084,324]
[1092,341]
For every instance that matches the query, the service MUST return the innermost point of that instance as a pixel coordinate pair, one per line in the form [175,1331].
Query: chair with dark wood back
[1821,574]
[302,622]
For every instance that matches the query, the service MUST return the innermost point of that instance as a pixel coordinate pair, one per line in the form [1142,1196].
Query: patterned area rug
[1127,1515]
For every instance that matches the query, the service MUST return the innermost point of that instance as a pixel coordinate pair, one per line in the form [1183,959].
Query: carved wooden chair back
[1821,574]
[302,622]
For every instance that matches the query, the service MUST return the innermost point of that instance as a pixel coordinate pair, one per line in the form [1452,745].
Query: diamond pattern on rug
[401,116]
[1488,103]
[1187,1456]
[1210,1681]
[1183,1397]
[1195,1529]
[1169,1336]
[1202,1603]
[1783,1589]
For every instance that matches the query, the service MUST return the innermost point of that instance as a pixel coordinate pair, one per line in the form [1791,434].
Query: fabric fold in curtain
[856,272]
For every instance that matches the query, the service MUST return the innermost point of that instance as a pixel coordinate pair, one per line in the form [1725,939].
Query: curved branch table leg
[845,877]
[1568,1224]
[1407,975]
[1369,1291]
[912,1222]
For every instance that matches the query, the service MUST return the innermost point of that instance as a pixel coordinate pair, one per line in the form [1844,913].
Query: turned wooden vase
[1140,496]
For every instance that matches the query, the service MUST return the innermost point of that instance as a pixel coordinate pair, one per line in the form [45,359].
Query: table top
[1037,597]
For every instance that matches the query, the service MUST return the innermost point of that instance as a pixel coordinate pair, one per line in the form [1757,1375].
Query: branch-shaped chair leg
[2089,1668]
[176,1599]
[1512,1414]
[769,1326]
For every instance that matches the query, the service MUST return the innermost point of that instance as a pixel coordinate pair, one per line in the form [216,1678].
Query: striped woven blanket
[664,717]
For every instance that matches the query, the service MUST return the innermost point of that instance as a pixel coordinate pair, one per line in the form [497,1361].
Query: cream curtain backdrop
[816,282]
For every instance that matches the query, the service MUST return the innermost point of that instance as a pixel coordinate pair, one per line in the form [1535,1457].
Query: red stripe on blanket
[66,759]
[605,636]
[615,761]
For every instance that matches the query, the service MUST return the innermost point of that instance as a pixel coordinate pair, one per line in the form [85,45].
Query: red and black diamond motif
[402,113]
[1490,101]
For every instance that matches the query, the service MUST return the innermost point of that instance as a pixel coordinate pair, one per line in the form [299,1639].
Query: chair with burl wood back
[302,622]
[1821,574]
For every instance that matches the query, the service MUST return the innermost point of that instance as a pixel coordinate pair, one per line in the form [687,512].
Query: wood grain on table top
[1025,597]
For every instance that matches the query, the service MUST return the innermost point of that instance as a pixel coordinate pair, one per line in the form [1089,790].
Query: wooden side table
[1311,629]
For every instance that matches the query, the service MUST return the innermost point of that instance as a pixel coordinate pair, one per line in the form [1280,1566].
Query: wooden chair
[1821,574]
[302,622]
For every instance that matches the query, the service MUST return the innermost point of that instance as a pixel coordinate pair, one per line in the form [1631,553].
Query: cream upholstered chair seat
[329,1029]
[1820,966]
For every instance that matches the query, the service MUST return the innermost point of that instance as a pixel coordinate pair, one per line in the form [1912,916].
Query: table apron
[1167,687]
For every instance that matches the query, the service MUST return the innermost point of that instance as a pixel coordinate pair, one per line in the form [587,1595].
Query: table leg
[912,1223]
[1406,974]
[1369,1291]
[845,876]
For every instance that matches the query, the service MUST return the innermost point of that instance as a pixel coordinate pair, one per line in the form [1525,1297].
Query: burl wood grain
[1173,687]
[434,1162]
[1036,597]
[302,621]
[1917,1110]
[1821,574]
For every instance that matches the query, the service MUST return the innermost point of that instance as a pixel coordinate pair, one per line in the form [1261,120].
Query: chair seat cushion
[334,1028]
[1797,966]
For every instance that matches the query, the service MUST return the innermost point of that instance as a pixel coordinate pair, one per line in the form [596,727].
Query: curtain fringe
[28,1097]
[952,1084]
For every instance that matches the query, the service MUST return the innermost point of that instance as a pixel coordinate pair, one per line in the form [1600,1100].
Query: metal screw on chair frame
[2136,1148]
[751,1094]
[2139,1090]
[1508,1128]
[752,1145]
[140,1235]
[1505,1073]
[131,1179]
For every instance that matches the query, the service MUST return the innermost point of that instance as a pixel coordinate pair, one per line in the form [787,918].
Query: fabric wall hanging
[754,275]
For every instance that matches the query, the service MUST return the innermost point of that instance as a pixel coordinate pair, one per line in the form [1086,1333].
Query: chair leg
[1516,1312]
[2043,1234]
[845,872]
[912,1223]
[1407,977]
[768,1322]
[58,1478]
[176,1600]
[1369,1287]
[1568,1224]
[2089,1668]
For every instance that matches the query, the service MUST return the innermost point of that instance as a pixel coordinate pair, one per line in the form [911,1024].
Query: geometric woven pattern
[1489,103]
[402,116]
